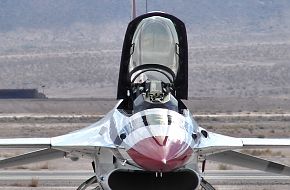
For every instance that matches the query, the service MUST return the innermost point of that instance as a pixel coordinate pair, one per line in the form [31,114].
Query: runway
[239,177]
[229,179]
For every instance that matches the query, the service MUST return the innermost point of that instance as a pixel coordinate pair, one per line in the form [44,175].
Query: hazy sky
[59,13]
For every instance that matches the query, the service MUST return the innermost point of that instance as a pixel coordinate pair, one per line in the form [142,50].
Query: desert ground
[52,117]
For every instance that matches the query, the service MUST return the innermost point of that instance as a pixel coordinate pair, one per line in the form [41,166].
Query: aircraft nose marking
[160,153]
[161,141]
[145,120]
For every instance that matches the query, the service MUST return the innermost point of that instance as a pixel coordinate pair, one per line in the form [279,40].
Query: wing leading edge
[25,143]
[265,143]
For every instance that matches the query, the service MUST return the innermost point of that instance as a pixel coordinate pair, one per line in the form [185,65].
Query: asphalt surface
[66,179]
[239,177]
[43,178]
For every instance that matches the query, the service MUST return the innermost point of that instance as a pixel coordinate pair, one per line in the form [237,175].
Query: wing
[85,142]
[71,145]
[219,148]
[247,161]
[81,143]
[214,143]
[46,153]
[37,156]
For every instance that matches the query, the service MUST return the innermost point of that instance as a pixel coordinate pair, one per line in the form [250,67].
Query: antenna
[133,9]
[146,6]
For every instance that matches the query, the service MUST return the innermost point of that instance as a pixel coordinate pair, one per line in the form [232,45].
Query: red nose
[160,153]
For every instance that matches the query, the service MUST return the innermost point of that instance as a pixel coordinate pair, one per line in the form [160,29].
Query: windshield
[155,42]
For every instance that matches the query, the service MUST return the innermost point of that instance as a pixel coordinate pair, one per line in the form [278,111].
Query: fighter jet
[149,140]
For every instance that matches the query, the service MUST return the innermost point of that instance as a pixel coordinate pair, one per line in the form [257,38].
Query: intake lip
[184,179]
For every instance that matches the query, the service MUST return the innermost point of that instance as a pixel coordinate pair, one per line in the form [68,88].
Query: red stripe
[160,153]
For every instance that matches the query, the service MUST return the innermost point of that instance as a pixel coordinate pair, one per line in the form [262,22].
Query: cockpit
[154,51]
[153,71]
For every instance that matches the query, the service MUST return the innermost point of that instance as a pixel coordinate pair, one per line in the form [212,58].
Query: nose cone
[160,153]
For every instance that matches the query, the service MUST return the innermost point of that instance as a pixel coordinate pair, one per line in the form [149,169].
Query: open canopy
[154,43]
[155,48]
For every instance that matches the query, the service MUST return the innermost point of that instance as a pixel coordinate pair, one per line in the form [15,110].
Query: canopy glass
[154,51]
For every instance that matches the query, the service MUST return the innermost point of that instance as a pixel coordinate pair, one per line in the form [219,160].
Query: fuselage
[158,134]
[152,128]
[159,140]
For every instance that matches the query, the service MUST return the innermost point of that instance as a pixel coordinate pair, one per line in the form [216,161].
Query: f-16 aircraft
[149,140]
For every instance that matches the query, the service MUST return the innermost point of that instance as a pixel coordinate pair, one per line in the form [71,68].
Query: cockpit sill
[144,102]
